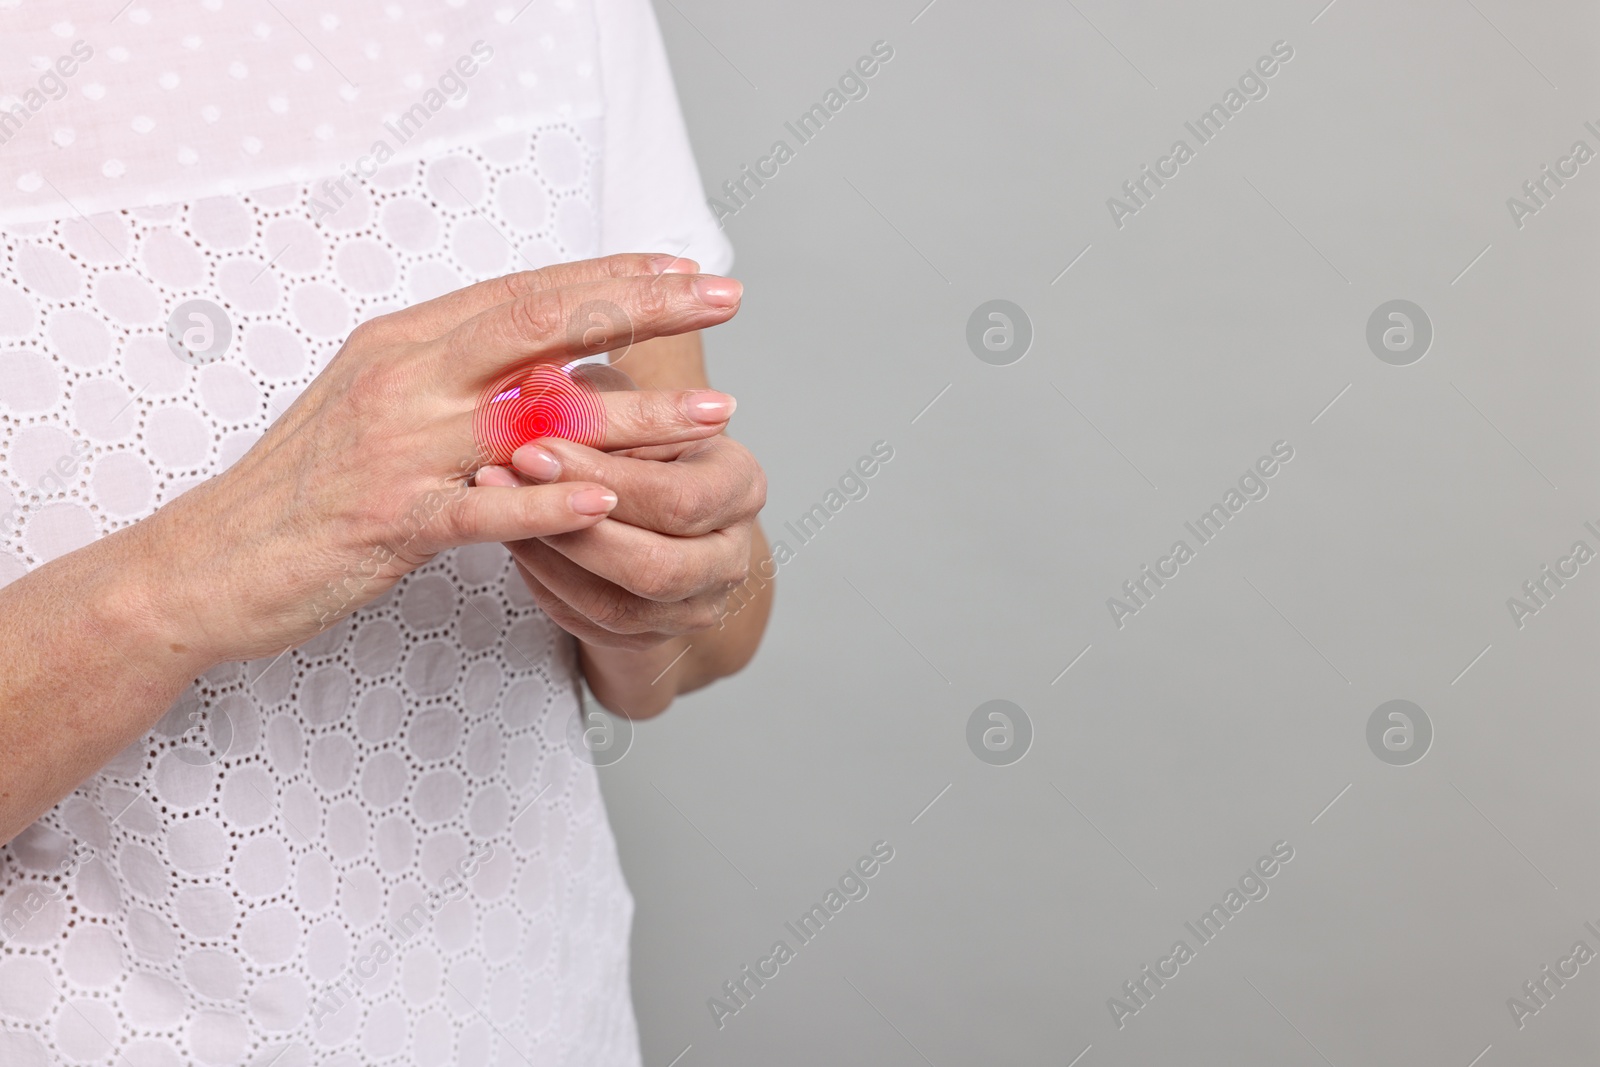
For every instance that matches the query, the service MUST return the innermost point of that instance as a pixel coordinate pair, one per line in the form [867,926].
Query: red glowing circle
[537,400]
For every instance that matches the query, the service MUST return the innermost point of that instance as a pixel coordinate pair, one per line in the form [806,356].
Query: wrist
[638,683]
[152,596]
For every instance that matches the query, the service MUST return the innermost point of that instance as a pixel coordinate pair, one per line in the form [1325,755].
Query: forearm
[90,659]
[640,684]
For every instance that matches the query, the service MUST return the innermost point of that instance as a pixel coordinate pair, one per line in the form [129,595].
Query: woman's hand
[365,478]
[368,475]
[665,561]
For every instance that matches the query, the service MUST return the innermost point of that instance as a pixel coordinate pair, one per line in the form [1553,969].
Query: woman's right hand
[367,477]
[368,474]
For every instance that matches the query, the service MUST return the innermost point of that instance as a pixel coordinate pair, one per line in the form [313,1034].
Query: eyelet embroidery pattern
[378,848]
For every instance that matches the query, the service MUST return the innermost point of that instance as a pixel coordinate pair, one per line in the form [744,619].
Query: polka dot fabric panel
[138,104]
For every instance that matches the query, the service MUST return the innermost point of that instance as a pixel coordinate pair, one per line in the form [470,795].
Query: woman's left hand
[665,561]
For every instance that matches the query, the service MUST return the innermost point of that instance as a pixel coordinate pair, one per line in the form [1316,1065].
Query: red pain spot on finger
[542,399]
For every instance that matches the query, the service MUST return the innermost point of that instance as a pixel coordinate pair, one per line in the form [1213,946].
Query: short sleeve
[652,199]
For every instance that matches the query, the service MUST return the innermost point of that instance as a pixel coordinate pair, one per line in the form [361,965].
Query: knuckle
[613,611]
[370,332]
[746,479]
[688,510]
[704,615]
[393,328]
[735,574]
[537,316]
[652,302]
[626,264]
[756,493]
[363,336]
[521,283]
[598,325]
[662,575]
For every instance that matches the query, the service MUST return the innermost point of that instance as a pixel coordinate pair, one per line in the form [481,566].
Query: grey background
[1228,714]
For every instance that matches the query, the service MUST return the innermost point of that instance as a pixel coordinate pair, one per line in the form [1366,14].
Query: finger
[612,607]
[661,453]
[446,312]
[582,320]
[655,566]
[642,417]
[561,613]
[632,419]
[708,485]
[503,513]
[573,621]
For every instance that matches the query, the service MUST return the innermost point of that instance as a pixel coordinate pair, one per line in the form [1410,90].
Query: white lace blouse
[380,848]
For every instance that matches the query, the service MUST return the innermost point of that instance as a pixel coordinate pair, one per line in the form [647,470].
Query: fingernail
[593,501]
[673,265]
[537,463]
[709,406]
[717,292]
[495,477]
